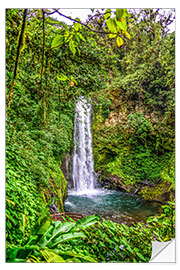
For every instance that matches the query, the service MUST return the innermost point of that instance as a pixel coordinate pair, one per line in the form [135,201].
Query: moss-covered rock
[160,192]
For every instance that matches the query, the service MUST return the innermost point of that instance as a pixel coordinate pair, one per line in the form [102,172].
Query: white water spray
[84,177]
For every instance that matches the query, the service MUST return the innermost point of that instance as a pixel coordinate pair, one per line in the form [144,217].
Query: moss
[160,192]
[57,187]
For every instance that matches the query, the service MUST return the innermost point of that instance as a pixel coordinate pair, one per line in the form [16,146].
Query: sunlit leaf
[127,35]
[119,41]
[125,13]
[112,35]
[57,41]
[76,26]
[62,77]
[51,256]
[81,36]
[122,24]
[111,25]
[72,47]
[107,14]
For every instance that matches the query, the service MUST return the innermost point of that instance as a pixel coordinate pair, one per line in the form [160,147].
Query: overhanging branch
[85,25]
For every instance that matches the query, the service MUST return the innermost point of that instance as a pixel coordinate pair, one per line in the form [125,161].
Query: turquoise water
[114,205]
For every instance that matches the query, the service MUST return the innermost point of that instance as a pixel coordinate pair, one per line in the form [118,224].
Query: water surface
[114,205]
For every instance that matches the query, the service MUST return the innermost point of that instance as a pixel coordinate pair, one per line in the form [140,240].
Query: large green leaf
[62,228]
[67,237]
[72,46]
[107,14]
[42,220]
[122,25]
[86,222]
[11,253]
[57,41]
[44,227]
[111,25]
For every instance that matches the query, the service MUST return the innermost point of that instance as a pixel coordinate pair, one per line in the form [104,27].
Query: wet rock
[158,191]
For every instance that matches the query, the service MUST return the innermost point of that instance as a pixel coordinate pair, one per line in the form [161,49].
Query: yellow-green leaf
[111,25]
[119,41]
[112,35]
[62,77]
[81,36]
[107,14]
[76,26]
[57,41]
[51,256]
[72,46]
[11,202]
[127,35]
[122,24]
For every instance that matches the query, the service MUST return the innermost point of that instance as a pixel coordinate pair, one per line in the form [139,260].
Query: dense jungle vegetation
[125,61]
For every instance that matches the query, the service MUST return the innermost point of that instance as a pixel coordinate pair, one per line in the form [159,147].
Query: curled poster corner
[163,251]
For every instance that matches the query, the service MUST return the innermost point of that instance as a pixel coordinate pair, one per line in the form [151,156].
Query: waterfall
[83,164]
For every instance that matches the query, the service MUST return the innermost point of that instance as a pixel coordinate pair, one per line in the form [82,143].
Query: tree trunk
[17,55]
[42,70]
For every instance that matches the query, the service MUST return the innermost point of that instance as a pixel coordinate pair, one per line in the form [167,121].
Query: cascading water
[83,164]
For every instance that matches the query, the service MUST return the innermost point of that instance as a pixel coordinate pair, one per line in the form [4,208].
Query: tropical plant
[46,239]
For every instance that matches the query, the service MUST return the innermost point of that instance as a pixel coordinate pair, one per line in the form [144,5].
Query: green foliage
[140,163]
[135,139]
[163,226]
[47,238]
[39,127]
[112,242]
[103,105]
[139,124]
[92,240]
[118,242]
[137,145]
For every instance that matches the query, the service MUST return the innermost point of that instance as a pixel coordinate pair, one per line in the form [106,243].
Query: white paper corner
[163,252]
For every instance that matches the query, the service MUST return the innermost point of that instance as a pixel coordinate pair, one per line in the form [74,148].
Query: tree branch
[50,93]
[50,13]
[85,25]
